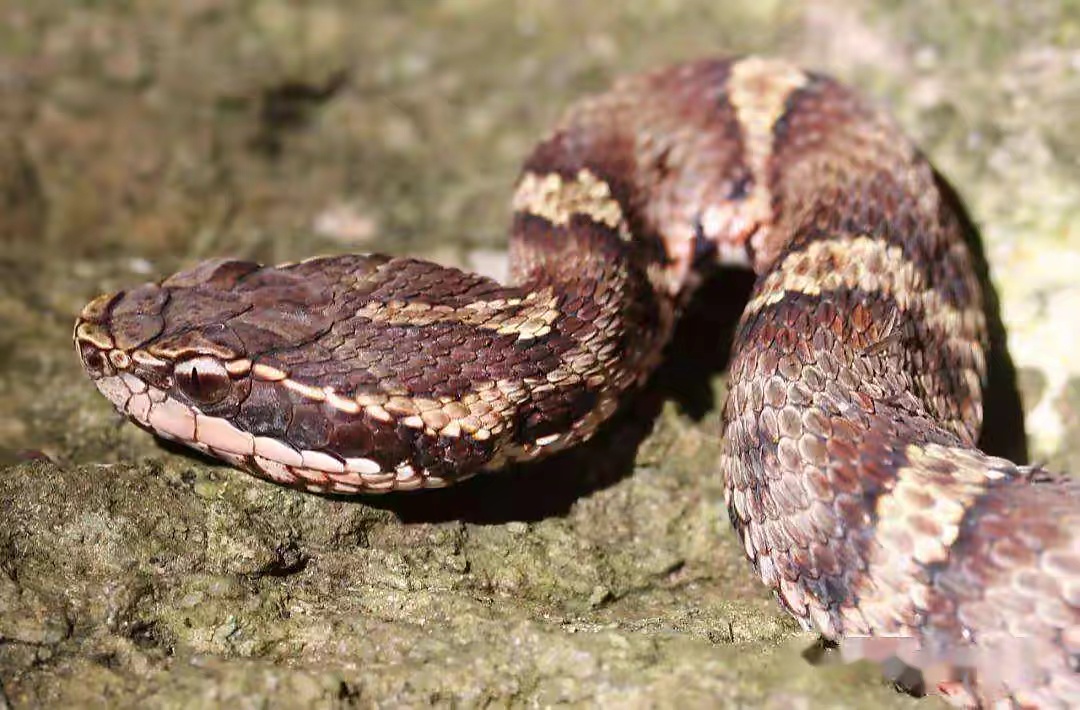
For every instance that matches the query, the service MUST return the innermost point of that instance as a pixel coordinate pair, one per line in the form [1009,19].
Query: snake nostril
[203,379]
[93,359]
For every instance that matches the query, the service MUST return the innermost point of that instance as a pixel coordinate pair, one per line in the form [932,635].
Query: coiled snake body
[855,392]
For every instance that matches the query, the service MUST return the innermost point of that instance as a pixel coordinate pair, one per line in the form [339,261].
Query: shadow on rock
[1003,415]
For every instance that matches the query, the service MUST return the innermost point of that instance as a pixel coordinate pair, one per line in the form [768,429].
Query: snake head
[320,374]
[175,357]
[171,338]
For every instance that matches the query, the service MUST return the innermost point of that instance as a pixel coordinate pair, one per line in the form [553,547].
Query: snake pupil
[203,379]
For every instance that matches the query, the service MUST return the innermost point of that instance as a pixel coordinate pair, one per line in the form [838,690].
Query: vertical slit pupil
[204,380]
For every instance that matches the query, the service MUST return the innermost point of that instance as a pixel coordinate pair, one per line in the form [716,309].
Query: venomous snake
[855,394]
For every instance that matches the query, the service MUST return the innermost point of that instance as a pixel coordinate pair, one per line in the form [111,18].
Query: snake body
[855,395]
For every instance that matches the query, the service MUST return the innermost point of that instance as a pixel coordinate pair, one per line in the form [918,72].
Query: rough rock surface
[136,138]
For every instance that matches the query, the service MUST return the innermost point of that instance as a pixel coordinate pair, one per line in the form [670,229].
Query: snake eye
[203,379]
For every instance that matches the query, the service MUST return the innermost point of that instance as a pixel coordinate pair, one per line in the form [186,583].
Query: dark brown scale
[266,411]
[380,441]
[310,427]
[137,316]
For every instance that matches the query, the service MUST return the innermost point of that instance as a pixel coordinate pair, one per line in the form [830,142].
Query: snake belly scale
[855,396]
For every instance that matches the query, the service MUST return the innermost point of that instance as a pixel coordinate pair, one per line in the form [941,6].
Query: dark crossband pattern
[855,397]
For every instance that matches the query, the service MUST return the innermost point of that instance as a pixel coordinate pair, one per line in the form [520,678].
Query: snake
[852,476]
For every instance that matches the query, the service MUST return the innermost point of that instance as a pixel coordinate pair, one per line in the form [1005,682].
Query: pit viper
[856,382]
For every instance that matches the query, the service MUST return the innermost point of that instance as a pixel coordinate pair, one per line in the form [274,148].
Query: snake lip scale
[856,381]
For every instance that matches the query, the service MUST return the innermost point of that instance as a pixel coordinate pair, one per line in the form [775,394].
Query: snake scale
[855,396]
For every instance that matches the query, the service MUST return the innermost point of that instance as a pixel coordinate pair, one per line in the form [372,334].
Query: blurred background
[139,136]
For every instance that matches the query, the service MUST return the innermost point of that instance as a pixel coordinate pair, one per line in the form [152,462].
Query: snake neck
[610,323]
